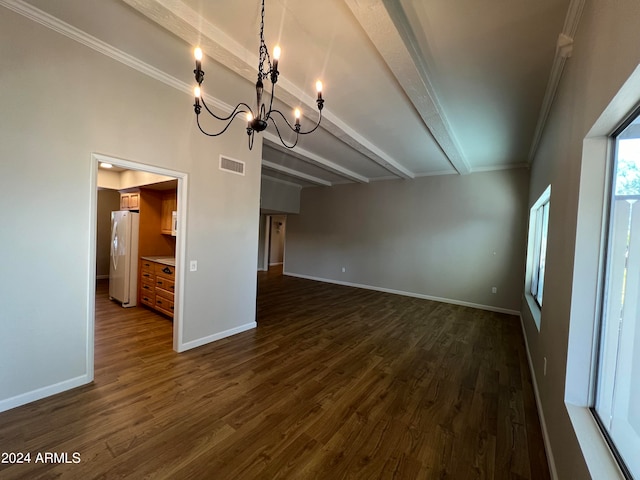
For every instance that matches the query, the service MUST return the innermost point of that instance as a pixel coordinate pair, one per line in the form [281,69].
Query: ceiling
[411,87]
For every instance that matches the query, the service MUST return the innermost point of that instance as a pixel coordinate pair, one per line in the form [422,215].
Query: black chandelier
[256,121]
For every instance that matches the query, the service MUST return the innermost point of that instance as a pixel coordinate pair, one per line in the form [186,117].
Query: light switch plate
[193,266]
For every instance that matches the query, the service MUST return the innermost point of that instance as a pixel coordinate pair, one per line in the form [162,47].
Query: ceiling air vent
[230,165]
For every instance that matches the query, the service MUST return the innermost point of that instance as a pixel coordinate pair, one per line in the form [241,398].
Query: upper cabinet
[169,205]
[130,201]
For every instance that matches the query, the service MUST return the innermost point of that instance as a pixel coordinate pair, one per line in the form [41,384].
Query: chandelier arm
[283,118]
[280,136]
[232,114]
[314,128]
[224,129]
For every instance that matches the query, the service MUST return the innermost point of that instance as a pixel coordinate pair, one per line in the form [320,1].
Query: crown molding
[104,48]
[69,31]
[564,50]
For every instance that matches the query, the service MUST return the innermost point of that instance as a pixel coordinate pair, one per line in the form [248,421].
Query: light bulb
[276,52]
[196,92]
[198,53]
[106,165]
[297,114]
[319,86]
[249,117]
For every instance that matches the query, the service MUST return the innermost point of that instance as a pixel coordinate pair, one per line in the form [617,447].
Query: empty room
[365,239]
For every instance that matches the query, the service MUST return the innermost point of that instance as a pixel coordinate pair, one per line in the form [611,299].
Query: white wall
[61,101]
[448,237]
[604,55]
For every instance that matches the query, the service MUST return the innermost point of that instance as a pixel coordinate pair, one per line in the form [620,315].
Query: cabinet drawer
[165,284]
[164,294]
[165,271]
[147,266]
[146,276]
[164,305]
[147,287]
[148,299]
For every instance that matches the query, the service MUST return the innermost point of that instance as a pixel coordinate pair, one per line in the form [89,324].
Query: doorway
[154,180]
[272,240]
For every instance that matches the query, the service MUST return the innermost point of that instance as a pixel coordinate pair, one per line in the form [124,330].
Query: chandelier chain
[263,53]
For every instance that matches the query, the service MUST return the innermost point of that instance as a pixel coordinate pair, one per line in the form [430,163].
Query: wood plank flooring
[335,382]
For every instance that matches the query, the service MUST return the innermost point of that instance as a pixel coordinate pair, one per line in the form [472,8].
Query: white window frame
[588,266]
[614,385]
[536,254]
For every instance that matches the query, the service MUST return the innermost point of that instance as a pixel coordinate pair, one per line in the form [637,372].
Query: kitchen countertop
[171,261]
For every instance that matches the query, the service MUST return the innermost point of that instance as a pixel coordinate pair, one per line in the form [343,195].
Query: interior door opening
[148,278]
[272,235]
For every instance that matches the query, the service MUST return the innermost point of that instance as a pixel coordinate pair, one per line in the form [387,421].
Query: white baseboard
[407,294]
[43,392]
[543,423]
[217,336]
[275,263]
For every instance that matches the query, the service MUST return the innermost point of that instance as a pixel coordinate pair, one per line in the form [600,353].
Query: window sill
[596,452]
[535,310]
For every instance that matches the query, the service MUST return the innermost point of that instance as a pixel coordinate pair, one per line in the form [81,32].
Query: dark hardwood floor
[335,382]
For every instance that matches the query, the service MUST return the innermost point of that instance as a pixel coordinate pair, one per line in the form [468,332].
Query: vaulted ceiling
[412,87]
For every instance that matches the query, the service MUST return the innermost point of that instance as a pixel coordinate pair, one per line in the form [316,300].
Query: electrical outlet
[344,269]
[494,289]
[193,266]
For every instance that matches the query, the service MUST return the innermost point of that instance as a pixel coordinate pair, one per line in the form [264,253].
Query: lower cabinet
[157,286]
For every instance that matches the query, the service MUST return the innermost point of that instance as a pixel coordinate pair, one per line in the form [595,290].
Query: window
[617,399]
[537,252]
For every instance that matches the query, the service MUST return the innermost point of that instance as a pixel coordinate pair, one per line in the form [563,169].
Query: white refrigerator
[123,267]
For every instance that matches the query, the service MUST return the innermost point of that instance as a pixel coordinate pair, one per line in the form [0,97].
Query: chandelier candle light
[256,121]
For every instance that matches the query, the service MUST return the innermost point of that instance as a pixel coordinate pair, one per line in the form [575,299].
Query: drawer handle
[167,270]
[172,309]
[159,283]
[146,287]
[146,275]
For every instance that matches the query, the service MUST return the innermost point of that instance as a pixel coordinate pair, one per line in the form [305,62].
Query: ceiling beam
[273,142]
[295,174]
[187,24]
[387,26]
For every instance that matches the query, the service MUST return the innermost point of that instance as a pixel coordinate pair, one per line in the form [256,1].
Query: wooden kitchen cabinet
[157,286]
[130,201]
[169,205]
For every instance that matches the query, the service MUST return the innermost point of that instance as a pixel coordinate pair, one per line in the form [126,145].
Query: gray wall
[604,55]
[447,237]
[108,201]
[278,197]
[61,101]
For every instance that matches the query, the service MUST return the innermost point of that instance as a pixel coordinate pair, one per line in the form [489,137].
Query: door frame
[182,178]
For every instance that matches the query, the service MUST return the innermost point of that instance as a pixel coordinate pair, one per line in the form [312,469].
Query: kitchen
[136,238]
